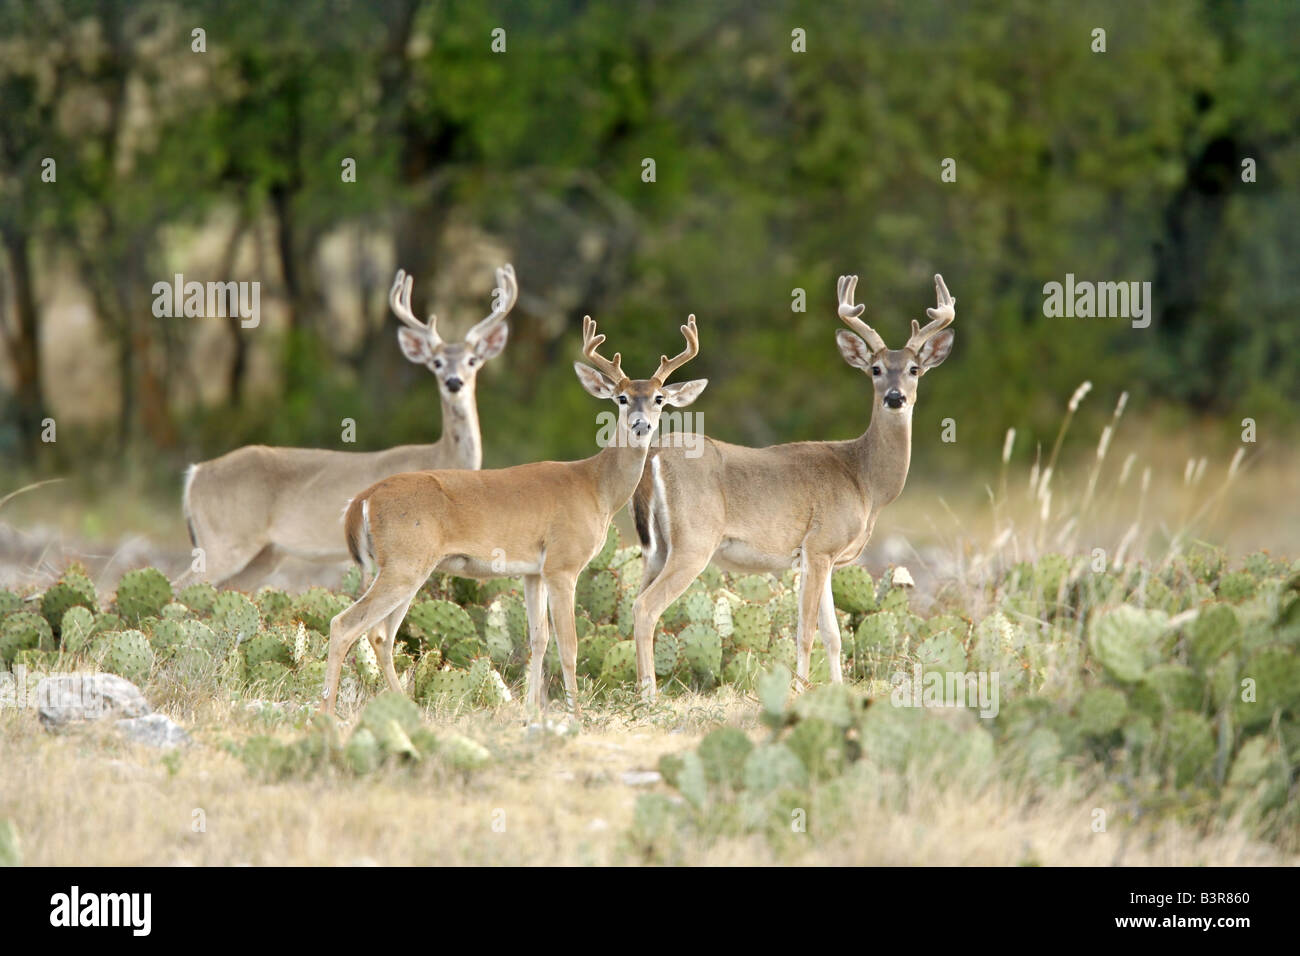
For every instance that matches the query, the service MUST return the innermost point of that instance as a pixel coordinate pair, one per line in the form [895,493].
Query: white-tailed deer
[253,507]
[815,503]
[544,521]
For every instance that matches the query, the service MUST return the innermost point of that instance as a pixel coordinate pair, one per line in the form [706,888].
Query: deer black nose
[895,399]
[454,384]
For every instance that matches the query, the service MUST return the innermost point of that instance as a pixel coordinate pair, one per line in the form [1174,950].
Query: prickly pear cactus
[1188,746]
[1125,640]
[235,616]
[668,655]
[199,597]
[461,753]
[853,590]
[619,666]
[1237,586]
[367,665]
[1102,711]
[701,648]
[487,689]
[441,624]
[426,668]
[269,646]
[142,593]
[751,627]
[73,589]
[755,588]
[127,654]
[597,594]
[592,650]
[76,628]
[723,752]
[273,605]
[449,687]
[877,634]
[773,767]
[743,670]
[316,607]
[22,630]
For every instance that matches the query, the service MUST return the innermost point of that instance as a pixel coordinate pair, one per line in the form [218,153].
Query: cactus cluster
[142,593]
[73,589]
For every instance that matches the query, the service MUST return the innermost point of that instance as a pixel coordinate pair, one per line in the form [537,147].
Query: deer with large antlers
[544,521]
[250,509]
[812,503]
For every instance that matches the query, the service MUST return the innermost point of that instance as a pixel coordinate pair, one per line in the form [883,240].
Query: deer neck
[461,442]
[885,453]
[619,466]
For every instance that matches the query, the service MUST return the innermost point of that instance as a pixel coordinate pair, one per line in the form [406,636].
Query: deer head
[454,364]
[895,372]
[640,401]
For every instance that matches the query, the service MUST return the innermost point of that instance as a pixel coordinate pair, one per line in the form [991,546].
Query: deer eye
[473,362]
[437,363]
[659,399]
[916,370]
[875,370]
[622,399]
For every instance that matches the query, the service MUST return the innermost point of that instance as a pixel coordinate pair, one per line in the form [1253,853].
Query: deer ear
[853,349]
[594,382]
[936,349]
[415,346]
[683,393]
[490,345]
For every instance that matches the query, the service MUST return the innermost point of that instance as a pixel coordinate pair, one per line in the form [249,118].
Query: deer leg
[384,641]
[560,589]
[538,637]
[223,564]
[829,626]
[815,577]
[386,595]
[678,572]
[257,571]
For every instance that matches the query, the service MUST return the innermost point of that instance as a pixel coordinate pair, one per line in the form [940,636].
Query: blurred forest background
[775,170]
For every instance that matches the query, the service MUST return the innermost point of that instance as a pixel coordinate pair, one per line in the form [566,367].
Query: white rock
[72,698]
[640,778]
[156,730]
[903,578]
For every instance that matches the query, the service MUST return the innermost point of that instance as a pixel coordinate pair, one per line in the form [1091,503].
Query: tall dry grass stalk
[1077,517]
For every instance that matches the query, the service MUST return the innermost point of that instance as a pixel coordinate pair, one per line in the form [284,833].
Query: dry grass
[88,798]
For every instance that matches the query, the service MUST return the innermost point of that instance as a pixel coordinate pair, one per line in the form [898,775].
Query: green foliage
[74,588]
[142,593]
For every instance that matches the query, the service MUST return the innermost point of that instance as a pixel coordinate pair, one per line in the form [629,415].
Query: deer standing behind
[756,510]
[250,509]
[544,521]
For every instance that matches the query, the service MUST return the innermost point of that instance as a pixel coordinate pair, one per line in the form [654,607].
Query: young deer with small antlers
[544,521]
[251,508]
[757,509]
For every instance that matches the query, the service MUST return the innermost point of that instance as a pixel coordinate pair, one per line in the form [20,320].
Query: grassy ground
[1142,501]
[91,799]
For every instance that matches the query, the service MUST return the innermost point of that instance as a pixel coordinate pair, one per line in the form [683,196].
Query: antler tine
[941,317]
[509,286]
[666,365]
[399,300]
[591,342]
[850,312]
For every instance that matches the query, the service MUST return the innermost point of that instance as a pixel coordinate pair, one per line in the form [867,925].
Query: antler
[942,316]
[590,343]
[666,365]
[850,312]
[509,290]
[399,299]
